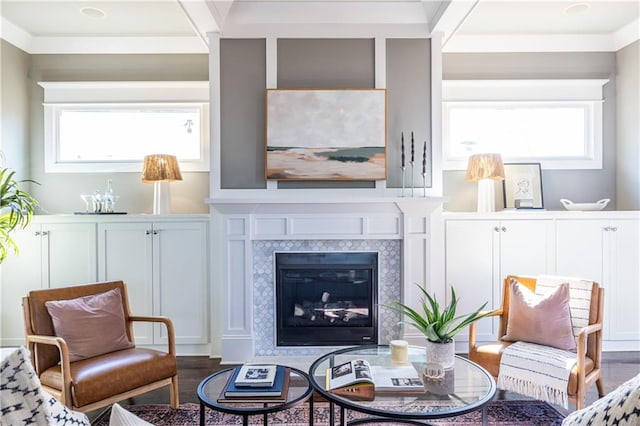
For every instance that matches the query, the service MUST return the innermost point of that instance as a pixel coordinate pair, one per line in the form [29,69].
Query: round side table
[212,386]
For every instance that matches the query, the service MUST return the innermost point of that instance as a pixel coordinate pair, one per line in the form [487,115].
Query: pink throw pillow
[90,325]
[545,320]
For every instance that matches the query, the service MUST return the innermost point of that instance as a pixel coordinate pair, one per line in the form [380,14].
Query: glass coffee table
[210,388]
[465,388]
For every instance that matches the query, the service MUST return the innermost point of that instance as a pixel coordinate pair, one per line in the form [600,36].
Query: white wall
[59,193]
[576,185]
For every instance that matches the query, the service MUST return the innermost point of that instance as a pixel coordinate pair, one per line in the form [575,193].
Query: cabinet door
[526,248]
[51,255]
[21,273]
[125,253]
[470,260]
[622,292]
[71,252]
[579,245]
[181,280]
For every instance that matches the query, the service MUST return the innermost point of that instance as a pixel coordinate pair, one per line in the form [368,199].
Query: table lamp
[161,169]
[485,169]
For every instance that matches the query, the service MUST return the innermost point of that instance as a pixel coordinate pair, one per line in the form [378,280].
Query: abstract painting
[326,134]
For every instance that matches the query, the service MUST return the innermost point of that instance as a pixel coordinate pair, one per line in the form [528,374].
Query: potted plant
[16,210]
[438,324]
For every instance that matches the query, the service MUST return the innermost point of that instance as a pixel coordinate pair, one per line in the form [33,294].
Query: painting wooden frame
[522,186]
[325,134]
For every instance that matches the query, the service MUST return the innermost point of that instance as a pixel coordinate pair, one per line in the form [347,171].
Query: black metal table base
[366,420]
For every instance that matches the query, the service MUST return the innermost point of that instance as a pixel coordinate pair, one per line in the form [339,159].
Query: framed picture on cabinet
[522,186]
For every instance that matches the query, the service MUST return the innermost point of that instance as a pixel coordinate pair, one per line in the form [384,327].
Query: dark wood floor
[618,367]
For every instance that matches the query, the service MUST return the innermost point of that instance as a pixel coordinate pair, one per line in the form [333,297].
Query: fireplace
[326,298]
[404,233]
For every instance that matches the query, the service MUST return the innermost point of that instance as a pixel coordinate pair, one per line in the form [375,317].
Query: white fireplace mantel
[312,201]
[415,221]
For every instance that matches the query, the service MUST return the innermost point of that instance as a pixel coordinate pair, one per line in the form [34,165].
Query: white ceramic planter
[442,354]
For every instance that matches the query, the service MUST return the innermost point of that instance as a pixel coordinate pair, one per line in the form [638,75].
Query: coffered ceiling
[181,26]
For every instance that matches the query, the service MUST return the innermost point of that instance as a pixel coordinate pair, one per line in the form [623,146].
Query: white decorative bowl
[598,205]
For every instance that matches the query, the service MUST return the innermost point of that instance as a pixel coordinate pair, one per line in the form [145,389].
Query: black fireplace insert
[326,299]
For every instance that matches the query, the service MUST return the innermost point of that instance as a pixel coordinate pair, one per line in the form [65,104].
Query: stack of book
[257,383]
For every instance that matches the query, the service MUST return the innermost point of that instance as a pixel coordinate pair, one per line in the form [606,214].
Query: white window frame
[586,94]
[61,96]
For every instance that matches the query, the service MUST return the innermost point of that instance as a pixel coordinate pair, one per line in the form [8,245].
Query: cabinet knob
[606,228]
[495,228]
[45,233]
[147,232]
[614,229]
[37,233]
[155,232]
[503,229]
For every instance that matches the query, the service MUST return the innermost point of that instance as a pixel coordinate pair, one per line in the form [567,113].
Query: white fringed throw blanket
[542,372]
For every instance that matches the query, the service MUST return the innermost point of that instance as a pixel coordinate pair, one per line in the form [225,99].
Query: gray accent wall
[326,64]
[320,63]
[60,192]
[316,63]
[628,128]
[408,108]
[14,111]
[242,87]
[579,186]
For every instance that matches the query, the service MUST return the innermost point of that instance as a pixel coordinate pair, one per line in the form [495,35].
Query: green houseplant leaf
[16,210]
[438,325]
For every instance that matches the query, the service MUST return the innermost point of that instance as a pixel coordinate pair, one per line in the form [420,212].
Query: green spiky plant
[439,325]
[16,210]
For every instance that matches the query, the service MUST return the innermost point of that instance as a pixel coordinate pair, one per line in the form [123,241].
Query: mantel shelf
[336,204]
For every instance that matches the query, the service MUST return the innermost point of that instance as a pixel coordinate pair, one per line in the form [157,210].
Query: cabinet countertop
[543,214]
[100,218]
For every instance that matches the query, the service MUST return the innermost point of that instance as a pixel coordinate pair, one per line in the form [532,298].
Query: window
[556,123]
[115,136]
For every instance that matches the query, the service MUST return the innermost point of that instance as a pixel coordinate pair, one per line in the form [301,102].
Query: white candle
[399,351]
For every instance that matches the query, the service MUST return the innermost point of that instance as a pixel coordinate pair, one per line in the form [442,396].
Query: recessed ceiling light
[576,8]
[93,12]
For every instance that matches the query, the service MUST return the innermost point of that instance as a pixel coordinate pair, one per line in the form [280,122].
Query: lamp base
[161,198]
[486,196]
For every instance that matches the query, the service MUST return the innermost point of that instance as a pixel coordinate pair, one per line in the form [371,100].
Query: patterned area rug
[500,413]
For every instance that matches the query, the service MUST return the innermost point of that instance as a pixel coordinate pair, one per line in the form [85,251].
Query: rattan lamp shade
[485,169]
[160,169]
[484,166]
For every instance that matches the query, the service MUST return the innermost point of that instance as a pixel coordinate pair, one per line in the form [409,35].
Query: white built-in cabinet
[480,253]
[165,267]
[51,255]
[163,259]
[607,251]
[481,249]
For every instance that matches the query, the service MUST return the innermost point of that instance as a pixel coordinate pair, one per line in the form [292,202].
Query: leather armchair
[587,370]
[100,381]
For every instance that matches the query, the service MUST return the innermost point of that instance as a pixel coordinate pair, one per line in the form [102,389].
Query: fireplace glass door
[325,299]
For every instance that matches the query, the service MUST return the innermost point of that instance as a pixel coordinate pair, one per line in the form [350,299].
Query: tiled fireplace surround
[401,231]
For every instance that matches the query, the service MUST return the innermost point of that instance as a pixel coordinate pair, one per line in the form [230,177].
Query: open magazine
[359,379]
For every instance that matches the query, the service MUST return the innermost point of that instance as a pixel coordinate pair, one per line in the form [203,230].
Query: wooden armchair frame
[588,369]
[50,354]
